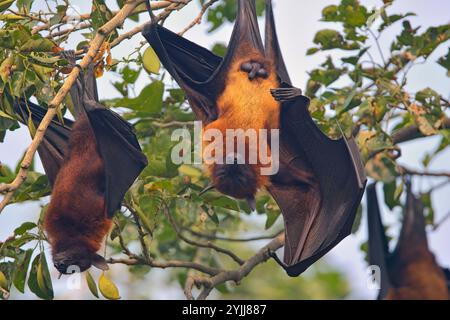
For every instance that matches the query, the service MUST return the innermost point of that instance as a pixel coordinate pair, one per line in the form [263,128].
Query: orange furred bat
[76,220]
[317,182]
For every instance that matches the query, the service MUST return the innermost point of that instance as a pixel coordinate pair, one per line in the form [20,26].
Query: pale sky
[297,21]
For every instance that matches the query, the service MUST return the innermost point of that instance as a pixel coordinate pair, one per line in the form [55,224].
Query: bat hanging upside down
[90,164]
[245,103]
[76,220]
[320,181]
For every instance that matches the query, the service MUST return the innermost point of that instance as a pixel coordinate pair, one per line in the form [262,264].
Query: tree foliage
[163,213]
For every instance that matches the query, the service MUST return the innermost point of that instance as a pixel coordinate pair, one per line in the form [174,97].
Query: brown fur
[414,273]
[247,104]
[76,216]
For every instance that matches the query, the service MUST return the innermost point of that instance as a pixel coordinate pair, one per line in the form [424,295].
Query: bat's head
[235,179]
[77,259]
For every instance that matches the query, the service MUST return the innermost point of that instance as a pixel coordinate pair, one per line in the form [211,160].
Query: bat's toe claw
[285,94]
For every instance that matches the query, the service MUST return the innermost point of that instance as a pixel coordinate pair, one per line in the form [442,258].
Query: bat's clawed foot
[254,70]
[285,94]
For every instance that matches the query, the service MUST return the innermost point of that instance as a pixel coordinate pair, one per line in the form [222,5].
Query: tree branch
[166,264]
[215,237]
[199,17]
[413,132]
[237,275]
[424,173]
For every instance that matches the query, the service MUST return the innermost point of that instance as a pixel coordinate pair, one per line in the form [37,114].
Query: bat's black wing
[198,71]
[378,243]
[413,225]
[272,46]
[321,181]
[118,146]
[318,210]
[53,148]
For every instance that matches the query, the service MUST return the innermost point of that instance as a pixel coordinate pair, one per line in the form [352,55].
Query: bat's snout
[68,262]
[236,180]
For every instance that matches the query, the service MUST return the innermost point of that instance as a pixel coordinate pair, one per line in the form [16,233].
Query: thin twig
[216,237]
[199,17]
[424,173]
[166,264]
[237,275]
[441,222]
[208,244]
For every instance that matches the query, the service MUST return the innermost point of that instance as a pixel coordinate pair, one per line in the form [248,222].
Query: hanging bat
[90,164]
[410,271]
[320,181]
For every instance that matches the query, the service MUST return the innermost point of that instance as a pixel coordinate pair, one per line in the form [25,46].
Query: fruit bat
[320,181]
[90,164]
[410,271]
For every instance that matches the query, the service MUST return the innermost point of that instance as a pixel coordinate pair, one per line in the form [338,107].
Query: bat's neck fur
[248,104]
[76,214]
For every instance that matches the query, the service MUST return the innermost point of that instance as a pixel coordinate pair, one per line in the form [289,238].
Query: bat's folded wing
[117,143]
[321,195]
[378,243]
[120,151]
[54,145]
[192,66]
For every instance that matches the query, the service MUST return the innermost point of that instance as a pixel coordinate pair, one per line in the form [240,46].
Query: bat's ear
[99,262]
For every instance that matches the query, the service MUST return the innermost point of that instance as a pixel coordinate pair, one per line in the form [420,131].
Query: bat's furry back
[76,220]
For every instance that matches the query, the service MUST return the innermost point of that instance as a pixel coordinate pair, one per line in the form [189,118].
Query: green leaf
[5,69]
[5,4]
[150,61]
[3,281]
[272,217]
[21,271]
[107,288]
[39,280]
[357,222]
[220,49]
[445,62]
[91,284]
[225,202]
[26,226]
[37,44]
[390,198]
[311,51]
[149,100]
[382,168]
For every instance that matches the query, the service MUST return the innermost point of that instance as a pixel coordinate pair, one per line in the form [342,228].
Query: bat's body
[417,276]
[245,104]
[90,164]
[410,272]
[76,220]
[320,181]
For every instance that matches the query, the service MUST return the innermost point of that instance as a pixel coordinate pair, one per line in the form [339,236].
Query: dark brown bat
[410,272]
[90,164]
[320,181]
[76,220]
